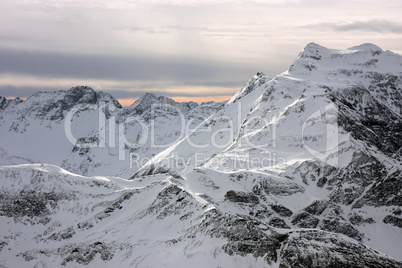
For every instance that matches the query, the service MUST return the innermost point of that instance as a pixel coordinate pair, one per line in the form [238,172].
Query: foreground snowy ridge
[302,170]
[52,217]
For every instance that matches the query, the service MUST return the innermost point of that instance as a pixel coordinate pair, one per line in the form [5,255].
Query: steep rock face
[320,249]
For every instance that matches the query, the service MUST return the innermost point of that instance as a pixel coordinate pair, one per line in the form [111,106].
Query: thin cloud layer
[377,25]
[71,65]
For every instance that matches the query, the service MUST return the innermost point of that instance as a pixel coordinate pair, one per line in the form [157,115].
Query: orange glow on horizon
[199,100]
[127,102]
[11,98]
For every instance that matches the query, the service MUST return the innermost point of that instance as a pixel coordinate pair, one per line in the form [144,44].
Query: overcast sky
[175,47]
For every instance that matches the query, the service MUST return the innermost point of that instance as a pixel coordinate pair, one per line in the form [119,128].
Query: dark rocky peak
[68,98]
[190,104]
[84,94]
[207,103]
[147,97]
[54,104]
[3,103]
[80,94]
[151,101]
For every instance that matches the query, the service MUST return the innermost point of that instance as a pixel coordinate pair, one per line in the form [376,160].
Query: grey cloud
[378,25]
[22,92]
[180,70]
[25,92]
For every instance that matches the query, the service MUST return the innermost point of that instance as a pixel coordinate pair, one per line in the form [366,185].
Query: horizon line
[125,102]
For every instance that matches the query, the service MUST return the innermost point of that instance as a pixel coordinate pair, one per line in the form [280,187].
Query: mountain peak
[146,99]
[366,47]
[314,45]
[85,94]
[84,89]
[145,103]
[149,96]
[317,60]
[314,51]
[54,104]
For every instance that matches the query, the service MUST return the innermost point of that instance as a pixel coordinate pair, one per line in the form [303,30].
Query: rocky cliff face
[302,170]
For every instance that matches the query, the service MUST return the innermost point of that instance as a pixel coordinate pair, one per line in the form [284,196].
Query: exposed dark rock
[305,220]
[282,210]
[359,220]
[3,103]
[346,195]
[279,223]
[314,171]
[244,236]
[236,196]
[395,221]
[170,201]
[317,207]
[352,180]
[397,212]
[318,249]
[85,253]
[262,213]
[387,192]
[114,205]
[273,187]
[373,119]
[58,104]
[82,143]
[35,205]
[336,226]
[65,234]
[321,181]
[3,244]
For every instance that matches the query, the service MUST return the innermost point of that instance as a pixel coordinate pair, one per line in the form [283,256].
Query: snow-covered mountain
[89,133]
[322,141]
[302,170]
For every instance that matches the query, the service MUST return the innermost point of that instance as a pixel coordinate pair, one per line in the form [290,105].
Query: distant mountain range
[301,170]
[34,131]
